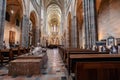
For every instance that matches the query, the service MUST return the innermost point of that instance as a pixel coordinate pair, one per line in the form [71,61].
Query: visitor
[17,44]
[103,49]
[4,45]
[113,49]
[118,48]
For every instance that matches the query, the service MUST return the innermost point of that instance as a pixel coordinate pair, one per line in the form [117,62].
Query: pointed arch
[33,20]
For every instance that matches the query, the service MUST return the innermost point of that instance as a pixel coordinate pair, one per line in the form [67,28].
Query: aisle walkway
[55,69]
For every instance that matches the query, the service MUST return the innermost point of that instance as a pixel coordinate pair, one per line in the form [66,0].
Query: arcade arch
[33,24]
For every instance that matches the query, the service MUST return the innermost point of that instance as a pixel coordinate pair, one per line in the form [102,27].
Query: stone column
[25,31]
[62,28]
[67,34]
[80,38]
[78,33]
[74,33]
[93,22]
[37,35]
[90,23]
[45,22]
[85,9]
[2,20]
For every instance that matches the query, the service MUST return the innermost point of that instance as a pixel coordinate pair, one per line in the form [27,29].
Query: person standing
[17,44]
[4,45]
[113,49]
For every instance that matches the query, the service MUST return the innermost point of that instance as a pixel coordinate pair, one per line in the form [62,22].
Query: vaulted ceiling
[54,14]
[60,3]
[54,10]
[15,6]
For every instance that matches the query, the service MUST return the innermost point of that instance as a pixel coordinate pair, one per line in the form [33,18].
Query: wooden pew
[92,66]
[1,58]
[22,51]
[97,70]
[6,55]
[68,51]
[15,51]
[10,54]
[65,53]
[27,50]
[61,51]
[76,51]
[18,51]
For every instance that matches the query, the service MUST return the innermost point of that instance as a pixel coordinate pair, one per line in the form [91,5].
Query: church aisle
[55,69]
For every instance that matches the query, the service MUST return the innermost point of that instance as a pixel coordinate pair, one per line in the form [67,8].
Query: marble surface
[53,70]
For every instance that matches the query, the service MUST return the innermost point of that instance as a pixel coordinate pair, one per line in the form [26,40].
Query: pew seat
[95,66]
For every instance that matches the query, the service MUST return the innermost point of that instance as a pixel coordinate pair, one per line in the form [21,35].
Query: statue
[37,50]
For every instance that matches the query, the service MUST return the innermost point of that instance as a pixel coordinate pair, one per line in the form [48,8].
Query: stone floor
[55,69]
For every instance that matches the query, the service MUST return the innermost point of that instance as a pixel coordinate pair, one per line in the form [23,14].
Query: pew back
[97,70]
[10,54]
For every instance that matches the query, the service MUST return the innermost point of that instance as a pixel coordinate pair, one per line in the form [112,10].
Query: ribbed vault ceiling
[60,3]
[54,14]
[54,9]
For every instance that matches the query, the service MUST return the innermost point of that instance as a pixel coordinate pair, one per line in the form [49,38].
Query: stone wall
[109,19]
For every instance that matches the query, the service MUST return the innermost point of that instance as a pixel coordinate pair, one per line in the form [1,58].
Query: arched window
[7,17]
[17,22]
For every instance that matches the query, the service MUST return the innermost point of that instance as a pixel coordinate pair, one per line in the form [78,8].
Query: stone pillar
[37,35]
[74,33]
[90,23]
[2,20]
[45,22]
[80,38]
[93,22]
[67,34]
[85,9]
[25,31]
[62,28]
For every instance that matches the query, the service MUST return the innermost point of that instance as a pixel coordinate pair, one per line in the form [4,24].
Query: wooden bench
[79,51]
[22,50]
[7,55]
[98,70]
[68,51]
[92,66]
[1,58]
